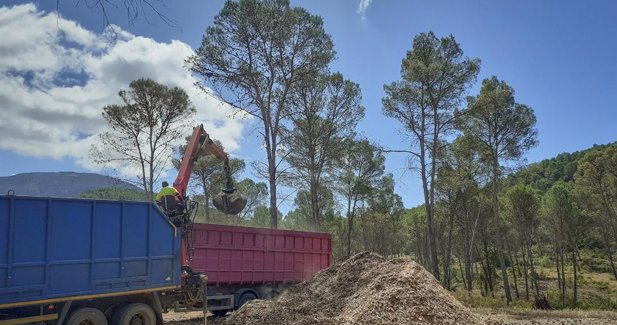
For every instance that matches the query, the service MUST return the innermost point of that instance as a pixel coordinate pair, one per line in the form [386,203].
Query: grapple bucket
[229,202]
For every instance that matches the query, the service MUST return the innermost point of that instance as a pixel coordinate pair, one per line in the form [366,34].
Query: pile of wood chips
[365,289]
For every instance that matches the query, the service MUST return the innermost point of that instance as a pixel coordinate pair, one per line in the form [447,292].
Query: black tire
[219,313]
[246,297]
[87,316]
[270,294]
[135,314]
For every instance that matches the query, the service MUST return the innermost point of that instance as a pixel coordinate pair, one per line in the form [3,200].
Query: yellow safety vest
[167,190]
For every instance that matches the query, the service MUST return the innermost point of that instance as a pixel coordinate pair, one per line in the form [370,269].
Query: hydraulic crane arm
[228,202]
[198,139]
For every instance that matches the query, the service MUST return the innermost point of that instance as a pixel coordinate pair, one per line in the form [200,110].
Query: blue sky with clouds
[560,57]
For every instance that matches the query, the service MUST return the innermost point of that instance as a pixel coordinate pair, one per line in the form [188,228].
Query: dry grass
[525,314]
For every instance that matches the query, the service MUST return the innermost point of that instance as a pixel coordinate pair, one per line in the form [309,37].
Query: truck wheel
[271,294]
[246,297]
[87,316]
[220,313]
[135,314]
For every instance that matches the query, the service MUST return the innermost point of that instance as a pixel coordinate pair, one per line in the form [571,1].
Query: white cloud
[363,7]
[56,76]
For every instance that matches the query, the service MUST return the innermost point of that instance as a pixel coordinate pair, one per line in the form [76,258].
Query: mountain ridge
[59,184]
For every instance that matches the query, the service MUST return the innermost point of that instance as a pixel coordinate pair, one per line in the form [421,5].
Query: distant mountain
[60,184]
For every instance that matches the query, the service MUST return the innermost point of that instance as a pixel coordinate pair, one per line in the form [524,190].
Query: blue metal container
[52,249]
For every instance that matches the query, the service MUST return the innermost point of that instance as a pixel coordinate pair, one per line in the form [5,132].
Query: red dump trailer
[244,263]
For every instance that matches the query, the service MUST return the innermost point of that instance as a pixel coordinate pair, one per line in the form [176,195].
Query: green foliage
[255,193]
[522,207]
[335,224]
[361,168]
[383,199]
[544,174]
[594,302]
[503,128]
[261,53]
[380,223]
[326,111]
[114,193]
[435,74]
[261,218]
[567,220]
[595,262]
[597,177]
[434,68]
[300,218]
[545,261]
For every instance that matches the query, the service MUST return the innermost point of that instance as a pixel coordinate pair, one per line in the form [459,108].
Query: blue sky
[559,56]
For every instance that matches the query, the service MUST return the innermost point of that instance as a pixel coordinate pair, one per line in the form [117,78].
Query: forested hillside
[542,175]
[559,227]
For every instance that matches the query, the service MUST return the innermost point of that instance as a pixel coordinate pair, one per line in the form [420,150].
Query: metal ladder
[189,240]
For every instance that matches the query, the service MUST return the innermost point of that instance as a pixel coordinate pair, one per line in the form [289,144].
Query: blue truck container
[102,262]
[57,250]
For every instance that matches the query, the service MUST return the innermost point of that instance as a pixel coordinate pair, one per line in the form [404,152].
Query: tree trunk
[563,278]
[460,267]
[504,271]
[574,282]
[432,243]
[349,230]
[612,262]
[468,269]
[534,275]
[272,183]
[526,275]
[517,268]
[207,206]
[485,280]
[447,254]
[609,254]
[428,204]
[499,235]
[270,134]
[432,173]
[315,211]
[206,197]
[420,252]
[273,209]
[514,274]
[351,211]
[479,275]
[151,167]
[488,274]
[558,271]
[147,194]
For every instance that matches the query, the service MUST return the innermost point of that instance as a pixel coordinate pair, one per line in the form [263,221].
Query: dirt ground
[535,317]
[490,318]
[368,289]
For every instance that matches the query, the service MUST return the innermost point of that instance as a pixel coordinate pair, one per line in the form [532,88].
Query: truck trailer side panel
[52,249]
[233,255]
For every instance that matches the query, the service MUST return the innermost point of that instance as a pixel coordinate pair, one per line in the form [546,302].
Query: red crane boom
[227,201]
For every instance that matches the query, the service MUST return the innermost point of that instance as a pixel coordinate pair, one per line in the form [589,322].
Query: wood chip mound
[365,289]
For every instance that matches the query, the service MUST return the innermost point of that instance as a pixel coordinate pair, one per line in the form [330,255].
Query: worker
[167,191]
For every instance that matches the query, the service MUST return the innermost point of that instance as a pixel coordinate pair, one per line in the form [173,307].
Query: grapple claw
[229,202]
